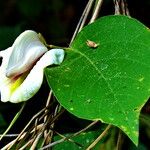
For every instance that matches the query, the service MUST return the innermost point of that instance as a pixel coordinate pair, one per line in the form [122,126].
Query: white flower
[22,68]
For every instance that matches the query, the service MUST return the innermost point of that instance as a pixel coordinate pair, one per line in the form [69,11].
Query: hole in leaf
[71,101]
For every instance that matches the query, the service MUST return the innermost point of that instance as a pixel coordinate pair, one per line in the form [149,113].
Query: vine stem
[99,137]
[13,121]
[117,8]
[96,11]
[46,111]
[119,141]
[21,133]
[9,145]
[121,7]
[125,8]
[28,143]
[84,129]
[9,135]
[70,140]
[82,19]
[68,137]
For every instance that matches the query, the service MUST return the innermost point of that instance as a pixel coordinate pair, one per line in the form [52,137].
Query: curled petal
[4,81]
[31,83]
[26,49]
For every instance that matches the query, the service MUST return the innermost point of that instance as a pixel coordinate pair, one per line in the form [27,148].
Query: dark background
[56,20]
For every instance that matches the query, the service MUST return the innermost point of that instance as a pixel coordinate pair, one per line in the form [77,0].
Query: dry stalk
[68,137]
[99,138]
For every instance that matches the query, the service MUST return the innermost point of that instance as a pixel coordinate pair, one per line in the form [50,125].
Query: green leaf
[111,82]
[84,139]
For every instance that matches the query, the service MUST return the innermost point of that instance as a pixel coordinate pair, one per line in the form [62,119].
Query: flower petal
[4,81]
[26,49]
[33,81]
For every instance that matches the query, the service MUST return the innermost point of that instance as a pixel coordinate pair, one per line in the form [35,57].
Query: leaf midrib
[105,79]
[97,69]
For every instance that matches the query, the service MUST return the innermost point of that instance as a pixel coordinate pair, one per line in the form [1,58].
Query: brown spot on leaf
[92,44]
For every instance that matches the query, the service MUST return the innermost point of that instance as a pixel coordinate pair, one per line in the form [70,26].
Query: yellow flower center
[17,82]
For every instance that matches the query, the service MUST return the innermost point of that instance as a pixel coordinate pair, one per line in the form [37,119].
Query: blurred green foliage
[8,35]
[2,123]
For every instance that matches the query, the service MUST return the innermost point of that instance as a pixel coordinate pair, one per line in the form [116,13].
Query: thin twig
[8,145]
[46,111]
[117,7]
[121,7]
[52,125]
[70,140]
[45,138]
[119,141]
[21,140]
[52,144]
[27,144]
[40,134]
[68,137]
[33,130]
[84,129]
[56,117]
[96,11]
[125,8]
[47,103]
[24,136]
[34,117]
[86,15]
[13,121]
[21,133]
[33,147]
[35,126]
[43,115]
[82,19]
[9,135]
[99,138]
